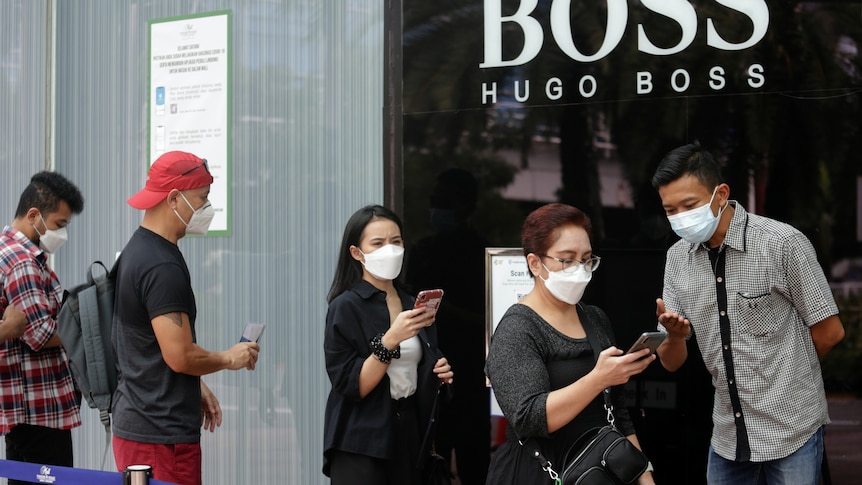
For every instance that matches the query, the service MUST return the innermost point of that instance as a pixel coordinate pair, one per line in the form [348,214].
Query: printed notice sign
[189,98]
[507,280]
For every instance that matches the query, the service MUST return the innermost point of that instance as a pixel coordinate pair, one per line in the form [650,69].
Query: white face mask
[200,220]
[52,239]
[567,287]
[697,225]
[384,263]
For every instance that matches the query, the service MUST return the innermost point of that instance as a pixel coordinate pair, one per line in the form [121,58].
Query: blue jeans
[802,467]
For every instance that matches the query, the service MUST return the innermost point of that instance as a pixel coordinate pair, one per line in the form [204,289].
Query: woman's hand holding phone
[409,322]
[648,340]
[430,299]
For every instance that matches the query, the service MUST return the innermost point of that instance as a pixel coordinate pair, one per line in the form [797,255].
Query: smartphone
[160,139]
[648,340]
[429,299]
[252,332]
[160,100]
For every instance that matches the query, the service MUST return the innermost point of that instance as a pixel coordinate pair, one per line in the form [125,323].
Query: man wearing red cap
[161,402]
[38,402]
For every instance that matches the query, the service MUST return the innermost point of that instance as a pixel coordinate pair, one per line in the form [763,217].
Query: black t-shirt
[152,404]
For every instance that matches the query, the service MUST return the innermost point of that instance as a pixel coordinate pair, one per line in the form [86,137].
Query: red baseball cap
[172,170]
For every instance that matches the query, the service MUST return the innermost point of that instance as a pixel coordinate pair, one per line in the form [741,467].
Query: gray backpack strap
[97,364]
[93,345]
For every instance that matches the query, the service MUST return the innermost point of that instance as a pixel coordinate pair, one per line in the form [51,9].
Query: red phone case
[429,298]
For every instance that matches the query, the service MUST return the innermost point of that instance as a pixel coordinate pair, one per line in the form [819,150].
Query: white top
[402,371]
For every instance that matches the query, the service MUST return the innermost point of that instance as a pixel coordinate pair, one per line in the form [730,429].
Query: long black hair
[349,271]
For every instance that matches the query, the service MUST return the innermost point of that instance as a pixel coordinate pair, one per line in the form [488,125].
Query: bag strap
[597,349]
[112,275]
[432,426]
[91,275]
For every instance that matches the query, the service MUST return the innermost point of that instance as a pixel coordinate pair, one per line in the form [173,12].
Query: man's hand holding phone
[252,332]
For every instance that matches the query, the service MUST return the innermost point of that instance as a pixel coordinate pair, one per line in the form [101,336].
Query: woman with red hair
[541,364]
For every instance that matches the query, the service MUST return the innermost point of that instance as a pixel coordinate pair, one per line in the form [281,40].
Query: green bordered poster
[189,97]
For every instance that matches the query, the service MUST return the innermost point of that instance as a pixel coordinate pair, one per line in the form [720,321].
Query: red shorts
[178,463]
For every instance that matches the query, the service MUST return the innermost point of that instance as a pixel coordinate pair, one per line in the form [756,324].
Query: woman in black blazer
[382,360]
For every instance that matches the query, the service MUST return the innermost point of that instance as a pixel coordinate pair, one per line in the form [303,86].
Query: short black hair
[691,159]
[45,191]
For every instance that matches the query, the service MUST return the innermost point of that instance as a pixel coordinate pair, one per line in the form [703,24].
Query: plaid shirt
[751,305]
[36,386]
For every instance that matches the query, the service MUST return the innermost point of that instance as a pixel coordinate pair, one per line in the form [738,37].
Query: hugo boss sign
[673,47]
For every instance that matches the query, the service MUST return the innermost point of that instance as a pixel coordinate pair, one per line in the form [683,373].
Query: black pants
[37,444]
[400,469]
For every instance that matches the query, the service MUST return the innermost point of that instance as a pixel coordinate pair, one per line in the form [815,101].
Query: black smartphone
[648,340]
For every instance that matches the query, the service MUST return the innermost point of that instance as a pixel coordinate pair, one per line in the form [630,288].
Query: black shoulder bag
[435,468]
[601,456]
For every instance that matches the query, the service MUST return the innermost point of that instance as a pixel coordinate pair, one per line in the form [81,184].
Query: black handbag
[601,456]
[435,468]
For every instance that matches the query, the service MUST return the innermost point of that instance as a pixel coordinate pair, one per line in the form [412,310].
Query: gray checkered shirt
[774,290]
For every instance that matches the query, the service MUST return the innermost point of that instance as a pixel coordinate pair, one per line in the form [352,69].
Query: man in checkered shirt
[38,402]
[752,292]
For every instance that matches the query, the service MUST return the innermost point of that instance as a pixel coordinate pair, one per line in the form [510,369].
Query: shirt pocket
[756,315]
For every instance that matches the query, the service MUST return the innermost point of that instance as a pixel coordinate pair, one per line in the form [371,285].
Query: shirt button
[726,347]
[730,381]
[738,415]
[722,313]
[719,279]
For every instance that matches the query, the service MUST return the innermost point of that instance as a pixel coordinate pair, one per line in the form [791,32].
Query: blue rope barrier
[61,475]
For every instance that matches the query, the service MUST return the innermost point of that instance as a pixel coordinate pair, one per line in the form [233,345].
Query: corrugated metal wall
[306,152]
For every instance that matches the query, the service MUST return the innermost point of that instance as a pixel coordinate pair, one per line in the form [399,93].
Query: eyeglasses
[570,265]
[203,164]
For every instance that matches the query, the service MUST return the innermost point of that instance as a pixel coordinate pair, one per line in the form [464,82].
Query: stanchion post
[137,475]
